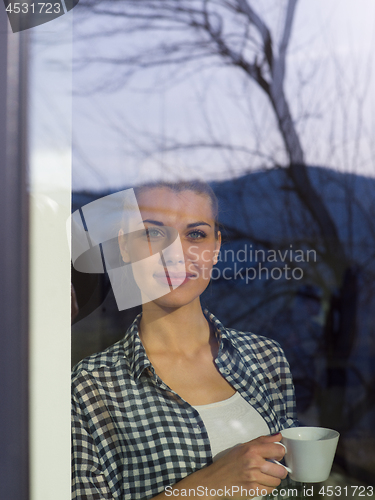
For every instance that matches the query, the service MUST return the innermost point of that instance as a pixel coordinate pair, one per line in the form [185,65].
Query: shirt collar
[221,332]
[136,353]
[134,350]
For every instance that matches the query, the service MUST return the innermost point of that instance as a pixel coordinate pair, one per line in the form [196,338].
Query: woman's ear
[217,248]
[123,246]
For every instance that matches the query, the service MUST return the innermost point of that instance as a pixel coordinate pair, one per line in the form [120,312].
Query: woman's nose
[174,254]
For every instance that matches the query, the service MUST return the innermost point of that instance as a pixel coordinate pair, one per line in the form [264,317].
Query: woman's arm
[88,480]
[245,466]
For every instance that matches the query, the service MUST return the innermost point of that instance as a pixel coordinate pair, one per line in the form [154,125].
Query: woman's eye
[196,235]
[153,233]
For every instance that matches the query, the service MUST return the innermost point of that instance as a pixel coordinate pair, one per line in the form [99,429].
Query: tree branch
[245,8]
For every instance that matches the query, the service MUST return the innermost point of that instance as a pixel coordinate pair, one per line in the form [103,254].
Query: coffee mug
[309,452]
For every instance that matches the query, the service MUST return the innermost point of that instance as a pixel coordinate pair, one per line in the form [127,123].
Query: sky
[118,138]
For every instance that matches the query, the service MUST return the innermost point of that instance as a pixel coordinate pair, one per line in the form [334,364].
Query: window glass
[274,112]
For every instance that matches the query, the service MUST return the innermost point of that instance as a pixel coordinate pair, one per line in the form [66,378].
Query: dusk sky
[118,136]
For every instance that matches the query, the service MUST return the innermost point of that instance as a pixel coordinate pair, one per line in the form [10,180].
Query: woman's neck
[181,329]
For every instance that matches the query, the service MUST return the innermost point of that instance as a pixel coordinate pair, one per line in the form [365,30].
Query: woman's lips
[173,279]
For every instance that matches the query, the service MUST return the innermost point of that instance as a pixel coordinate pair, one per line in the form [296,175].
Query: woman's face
[173,251]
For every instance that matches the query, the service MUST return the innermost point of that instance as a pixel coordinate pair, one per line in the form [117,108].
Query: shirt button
[253,401]
[226,371]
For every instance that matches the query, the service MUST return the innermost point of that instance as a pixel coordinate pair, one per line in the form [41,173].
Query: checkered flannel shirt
[133,436]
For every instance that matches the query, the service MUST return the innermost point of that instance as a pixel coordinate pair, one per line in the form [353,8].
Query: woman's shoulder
[99,360]
[264,351]
[255,342]
[110,358]
[246,340]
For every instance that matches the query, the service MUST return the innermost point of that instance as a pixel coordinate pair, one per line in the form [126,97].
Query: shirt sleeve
[287,404]
[88,480]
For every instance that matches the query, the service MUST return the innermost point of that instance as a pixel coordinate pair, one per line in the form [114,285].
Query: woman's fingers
[273,451]
[267,476]
[265,447]
[275,470]
[247,464]
[260,451]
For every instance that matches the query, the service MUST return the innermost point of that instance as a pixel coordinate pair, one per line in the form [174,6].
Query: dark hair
[198,187]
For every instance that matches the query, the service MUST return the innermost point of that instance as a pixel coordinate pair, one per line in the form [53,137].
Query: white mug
[309,452]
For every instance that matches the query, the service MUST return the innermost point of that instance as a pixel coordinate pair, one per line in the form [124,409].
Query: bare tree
[228,33]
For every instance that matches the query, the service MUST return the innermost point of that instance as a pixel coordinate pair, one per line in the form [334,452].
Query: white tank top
[231,422]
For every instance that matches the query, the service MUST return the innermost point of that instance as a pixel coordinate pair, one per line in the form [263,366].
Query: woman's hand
[246,466]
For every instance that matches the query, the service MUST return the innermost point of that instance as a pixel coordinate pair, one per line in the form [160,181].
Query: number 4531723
[346,491]
[34,8]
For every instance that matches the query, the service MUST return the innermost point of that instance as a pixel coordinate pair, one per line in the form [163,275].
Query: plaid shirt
[133,436]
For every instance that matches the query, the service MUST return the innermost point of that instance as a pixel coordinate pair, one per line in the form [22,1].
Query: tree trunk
[298,173]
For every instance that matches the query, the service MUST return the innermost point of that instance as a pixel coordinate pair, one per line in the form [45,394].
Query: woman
[152,412]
